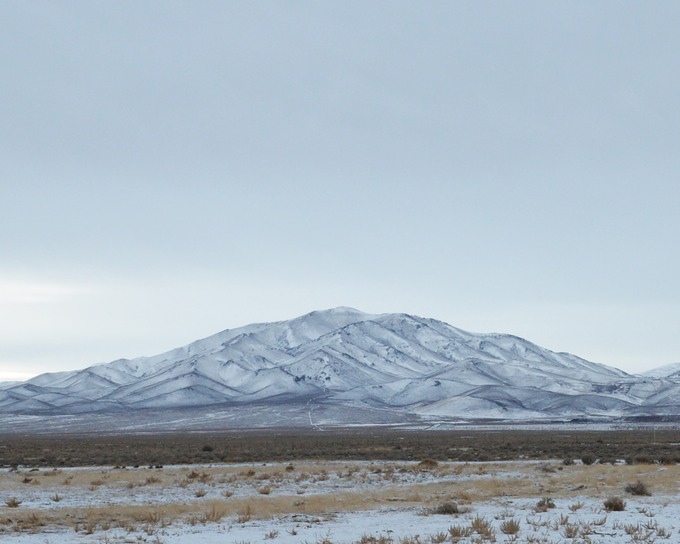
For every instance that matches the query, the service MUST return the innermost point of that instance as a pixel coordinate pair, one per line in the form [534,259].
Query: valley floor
[324,502]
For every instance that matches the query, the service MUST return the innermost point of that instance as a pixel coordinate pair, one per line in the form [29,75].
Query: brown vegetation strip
[639,446]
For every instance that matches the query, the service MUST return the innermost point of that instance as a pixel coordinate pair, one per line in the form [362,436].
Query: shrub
[588,459]
[576,506]
[13,502]
[544,504]
[149,517]
[438,538]
[638,488]
[213,515]
[446,509]
[428,464]
[482,526]
[510,527]
[245,514]
[614,504]
[570,531]
[458,531]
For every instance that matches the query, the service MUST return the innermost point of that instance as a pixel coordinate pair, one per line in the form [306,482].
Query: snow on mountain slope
[671,371]
[395,362]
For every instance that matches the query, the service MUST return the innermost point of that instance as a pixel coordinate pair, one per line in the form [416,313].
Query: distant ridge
[671,371]
[372,368]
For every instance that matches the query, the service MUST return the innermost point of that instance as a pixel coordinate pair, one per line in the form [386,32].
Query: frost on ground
[338,502]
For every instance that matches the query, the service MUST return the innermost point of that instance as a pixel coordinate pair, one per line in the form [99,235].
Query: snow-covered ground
[338,502]
[657,523]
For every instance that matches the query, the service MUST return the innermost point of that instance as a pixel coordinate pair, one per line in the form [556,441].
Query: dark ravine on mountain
[351,368]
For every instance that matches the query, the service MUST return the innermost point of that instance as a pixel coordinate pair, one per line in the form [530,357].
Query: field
[335,488]
[641,445]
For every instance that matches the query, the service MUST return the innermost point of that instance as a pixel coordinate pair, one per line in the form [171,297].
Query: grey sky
[171,169]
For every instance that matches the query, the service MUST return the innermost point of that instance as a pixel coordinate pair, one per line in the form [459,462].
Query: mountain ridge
[418,368]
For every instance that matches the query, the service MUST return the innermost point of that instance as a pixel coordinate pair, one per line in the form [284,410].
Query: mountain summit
[348,360]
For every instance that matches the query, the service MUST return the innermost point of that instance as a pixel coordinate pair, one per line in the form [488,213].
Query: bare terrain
[366,487]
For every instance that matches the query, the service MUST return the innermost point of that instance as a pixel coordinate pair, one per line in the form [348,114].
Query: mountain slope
[671,371]
[398,363]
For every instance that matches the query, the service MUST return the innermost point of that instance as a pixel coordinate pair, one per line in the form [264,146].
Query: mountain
[342,366]
[671,371]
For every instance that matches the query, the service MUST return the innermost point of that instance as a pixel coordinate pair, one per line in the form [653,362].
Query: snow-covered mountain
[671,371]
[352,362]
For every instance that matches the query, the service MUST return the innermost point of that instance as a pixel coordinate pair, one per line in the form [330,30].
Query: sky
[171,169]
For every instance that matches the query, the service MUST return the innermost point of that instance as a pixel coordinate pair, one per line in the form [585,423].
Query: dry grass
[214,513]
[510,527]
[512,480]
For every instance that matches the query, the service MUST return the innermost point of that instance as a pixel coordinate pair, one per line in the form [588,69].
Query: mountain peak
[339,312]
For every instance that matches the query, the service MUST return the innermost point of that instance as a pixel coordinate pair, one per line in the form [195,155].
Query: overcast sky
[172,169]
